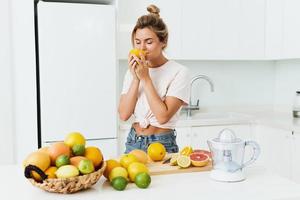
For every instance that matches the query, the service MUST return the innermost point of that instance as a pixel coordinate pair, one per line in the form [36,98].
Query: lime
[62,160]
[86,166]
[142,180]
[119,183]
[78,149]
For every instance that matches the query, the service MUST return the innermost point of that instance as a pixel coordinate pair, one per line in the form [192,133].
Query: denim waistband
[158,136]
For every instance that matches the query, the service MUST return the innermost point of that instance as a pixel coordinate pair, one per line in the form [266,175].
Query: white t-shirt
[170,79]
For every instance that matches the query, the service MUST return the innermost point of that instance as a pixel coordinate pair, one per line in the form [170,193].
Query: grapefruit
[57,149]
[199,159]
[203,151]
[76,159]
[127,159]
[140,155]
[156,151]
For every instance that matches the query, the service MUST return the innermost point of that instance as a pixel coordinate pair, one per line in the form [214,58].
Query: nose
[143,46]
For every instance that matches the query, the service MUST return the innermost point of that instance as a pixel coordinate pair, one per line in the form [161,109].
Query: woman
[154,87]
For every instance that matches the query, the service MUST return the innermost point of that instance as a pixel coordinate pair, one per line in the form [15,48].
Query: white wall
[6,95]
[237,83]
[287,82]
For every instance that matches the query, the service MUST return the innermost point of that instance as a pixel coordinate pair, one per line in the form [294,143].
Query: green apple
[86,166]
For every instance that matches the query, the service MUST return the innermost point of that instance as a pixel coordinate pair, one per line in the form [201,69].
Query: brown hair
[154,23]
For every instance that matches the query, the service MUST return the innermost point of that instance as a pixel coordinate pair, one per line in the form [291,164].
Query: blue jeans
[168,139]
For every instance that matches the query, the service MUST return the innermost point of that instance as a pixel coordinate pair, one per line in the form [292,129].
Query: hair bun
[153,9]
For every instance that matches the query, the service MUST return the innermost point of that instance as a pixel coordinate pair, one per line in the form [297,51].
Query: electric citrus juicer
[228,156]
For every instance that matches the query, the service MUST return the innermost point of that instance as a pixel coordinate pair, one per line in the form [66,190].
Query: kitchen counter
[260,184]
[231,116]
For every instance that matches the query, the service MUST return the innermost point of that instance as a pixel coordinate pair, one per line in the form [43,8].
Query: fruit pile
[188,157]
[132,167]
[65,159]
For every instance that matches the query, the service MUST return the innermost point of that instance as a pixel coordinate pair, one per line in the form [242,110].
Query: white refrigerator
[78,73]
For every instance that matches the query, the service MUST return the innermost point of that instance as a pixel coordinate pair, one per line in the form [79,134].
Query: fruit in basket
[94,154]
[183,161]
[38,159]
[119,183]
[127,159]
[62,160]
[43,149]
[140,155]
[76,159]
[50,172]
[142,180]
[156,151]
[118,171]
[67,171]
[78,149]
[135,168]
[187,150]
[74,138]
[57,149]
[199,159]
[110,165]
[137,52]
[86,166]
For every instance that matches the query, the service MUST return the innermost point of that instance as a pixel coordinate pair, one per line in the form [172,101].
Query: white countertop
[231,116]
[259,185]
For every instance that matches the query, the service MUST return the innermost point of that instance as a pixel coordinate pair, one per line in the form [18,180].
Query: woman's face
[145,39]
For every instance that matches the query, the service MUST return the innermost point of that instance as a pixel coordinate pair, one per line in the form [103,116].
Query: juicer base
[223,176]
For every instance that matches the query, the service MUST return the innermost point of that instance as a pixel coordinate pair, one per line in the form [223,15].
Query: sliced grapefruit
[199,159]
[203,151]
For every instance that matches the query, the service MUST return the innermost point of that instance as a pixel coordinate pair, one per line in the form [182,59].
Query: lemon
[74,138]
[173,160]
[183,161]
[156,151]
[137,52]
[127,159]
[135,168]
[67,171]
[186,151]
[118,171]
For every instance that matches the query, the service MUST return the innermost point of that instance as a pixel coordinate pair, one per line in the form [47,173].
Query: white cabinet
[295,169]
[197,136]
[275,149]
[130,10]
[213,29]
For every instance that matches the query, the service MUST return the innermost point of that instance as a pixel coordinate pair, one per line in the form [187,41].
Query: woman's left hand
[142,69]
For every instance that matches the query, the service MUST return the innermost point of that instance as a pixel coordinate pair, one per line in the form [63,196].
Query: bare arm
[128,101]
[162,110]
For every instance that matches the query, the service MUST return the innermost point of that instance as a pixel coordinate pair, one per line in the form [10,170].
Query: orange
[140,155]
[57,149]
[156,151]
[137,52]
[135,168]
[127,159]
[39,159]
[74,138]
[110,165]
[51,172]
[94,154]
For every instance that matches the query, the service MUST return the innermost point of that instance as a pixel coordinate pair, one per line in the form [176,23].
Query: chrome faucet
[191,107]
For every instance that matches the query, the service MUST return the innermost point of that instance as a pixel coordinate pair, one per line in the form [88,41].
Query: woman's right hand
[132,64]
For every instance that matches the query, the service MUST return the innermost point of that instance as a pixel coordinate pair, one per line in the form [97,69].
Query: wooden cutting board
[158,168]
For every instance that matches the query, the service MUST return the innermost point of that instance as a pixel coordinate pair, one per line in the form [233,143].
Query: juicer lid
[227,136]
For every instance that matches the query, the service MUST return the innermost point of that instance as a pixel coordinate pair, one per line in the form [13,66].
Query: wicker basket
[70,185]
